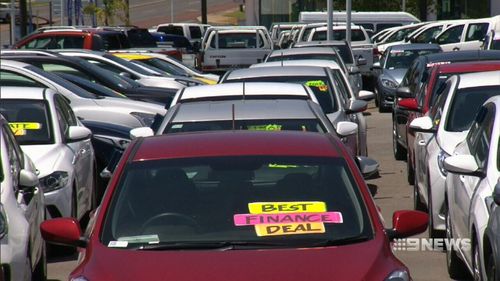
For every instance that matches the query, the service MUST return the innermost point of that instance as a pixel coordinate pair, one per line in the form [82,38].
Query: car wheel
[417,201]
[397,148]
[456,267]
[40,272]
[491,273]
[433,233]
[410,171]
[377,98]
[476,263]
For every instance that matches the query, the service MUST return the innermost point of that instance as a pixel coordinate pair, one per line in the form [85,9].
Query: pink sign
[257,219]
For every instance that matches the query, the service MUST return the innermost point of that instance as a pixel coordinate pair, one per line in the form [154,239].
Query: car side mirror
[423,124]
[353,69]
[78,133]
[63,231]
[376,65]
[346,128]
[365,95]
[356,106]
[126,74]
[409,104]
[361,61]
[367,166]
[27,179]
[406,223]
[496,193]
[141,132]
[404,92]
[464,164]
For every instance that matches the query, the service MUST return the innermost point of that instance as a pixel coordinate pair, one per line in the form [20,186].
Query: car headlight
[389,83]
[146,119]
[4,225]
[54,181]
[440,159]
[398,275]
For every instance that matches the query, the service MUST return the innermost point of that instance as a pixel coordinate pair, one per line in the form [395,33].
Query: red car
[426,98]
[239,206]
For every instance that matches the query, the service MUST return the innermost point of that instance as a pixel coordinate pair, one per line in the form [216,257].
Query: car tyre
[417,201]
[456,267]
[410,171]
[491,270]
[398,149]
[40,272]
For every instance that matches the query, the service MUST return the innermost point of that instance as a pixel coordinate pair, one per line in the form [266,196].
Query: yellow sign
[19,128]
[278,166]
[268,127]
[286,207]
[289,229]
[318,84]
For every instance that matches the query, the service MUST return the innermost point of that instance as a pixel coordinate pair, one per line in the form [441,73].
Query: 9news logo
[430,244]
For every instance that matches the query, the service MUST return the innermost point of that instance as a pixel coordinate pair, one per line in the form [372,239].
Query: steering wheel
[189,220]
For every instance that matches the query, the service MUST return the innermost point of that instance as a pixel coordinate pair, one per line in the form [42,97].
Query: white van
[466,35]
[375,21]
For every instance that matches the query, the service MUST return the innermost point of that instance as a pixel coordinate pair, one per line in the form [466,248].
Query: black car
[413,82]
[58,64]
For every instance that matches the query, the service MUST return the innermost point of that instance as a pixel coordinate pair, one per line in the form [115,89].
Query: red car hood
[370,260]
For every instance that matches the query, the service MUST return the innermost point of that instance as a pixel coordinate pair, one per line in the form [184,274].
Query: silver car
[329,86]
[85,105]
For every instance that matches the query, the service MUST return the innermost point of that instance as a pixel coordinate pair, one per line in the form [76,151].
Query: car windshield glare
[291,200]
[28,120]
[306,125]
[466,102]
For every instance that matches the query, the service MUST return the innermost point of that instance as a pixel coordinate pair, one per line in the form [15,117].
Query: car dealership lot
[393,193]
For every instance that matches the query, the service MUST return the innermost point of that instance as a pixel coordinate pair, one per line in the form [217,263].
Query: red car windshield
[253,199]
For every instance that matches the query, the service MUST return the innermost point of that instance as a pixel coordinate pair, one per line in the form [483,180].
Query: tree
[110,10]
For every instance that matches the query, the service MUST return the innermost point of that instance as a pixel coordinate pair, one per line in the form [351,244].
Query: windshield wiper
[339,242]
[222,245]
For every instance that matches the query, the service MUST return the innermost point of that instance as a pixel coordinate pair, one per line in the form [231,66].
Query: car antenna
[233,121]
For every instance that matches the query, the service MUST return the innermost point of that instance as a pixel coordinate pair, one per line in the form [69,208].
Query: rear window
[382,26]
[465,104]
[171,29]
[339,35]
[29,120]
[402,59]
[329,57]
[112,41]
[306,125]
[141,38]
[237,40]
[195,32]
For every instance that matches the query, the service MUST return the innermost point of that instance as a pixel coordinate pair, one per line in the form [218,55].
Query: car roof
[243,110]
[479,79]
[236,143]
[415,46]
[276,71]
[304,44]
[130,56]
[28,93]
[321,63]
[13,63]
[339,27]
[308,50]
[462,56]
[251,89]
[472,66]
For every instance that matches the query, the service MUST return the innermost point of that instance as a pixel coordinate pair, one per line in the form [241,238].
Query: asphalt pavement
[393,193]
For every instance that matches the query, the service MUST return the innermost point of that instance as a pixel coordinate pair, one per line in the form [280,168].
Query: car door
[451,38]
[478,144]
[82,153]
[474,36]
[28,200]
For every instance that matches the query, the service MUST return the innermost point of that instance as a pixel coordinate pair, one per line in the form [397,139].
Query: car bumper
[437,184]
[386,95]
[13,256]
[58,202]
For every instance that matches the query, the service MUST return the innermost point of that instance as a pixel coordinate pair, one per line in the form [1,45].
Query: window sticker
[287,218]
[150,239]
[20,128]
[117,244]
[317,84]
[267,127]
[279,166]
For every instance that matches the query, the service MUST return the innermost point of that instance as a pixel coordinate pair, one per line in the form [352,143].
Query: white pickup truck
[225,48]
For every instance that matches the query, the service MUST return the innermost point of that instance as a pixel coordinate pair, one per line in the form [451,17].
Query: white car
[50,134]
[22,249]
[449,120]
[473,172]
[85,105]
[125,68]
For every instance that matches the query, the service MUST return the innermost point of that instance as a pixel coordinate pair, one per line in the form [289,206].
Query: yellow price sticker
[289,229]
[269,127]
[286,207]
[20,128]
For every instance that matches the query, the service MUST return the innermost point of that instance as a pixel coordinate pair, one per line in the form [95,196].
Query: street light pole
[329,25]
[171,10]
[204,12]
[348,7]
